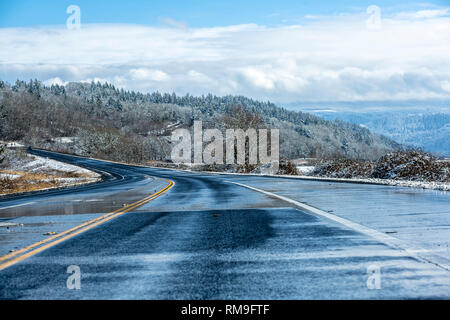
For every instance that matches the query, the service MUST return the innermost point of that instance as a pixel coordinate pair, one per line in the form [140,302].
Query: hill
[427,130]
[98,119]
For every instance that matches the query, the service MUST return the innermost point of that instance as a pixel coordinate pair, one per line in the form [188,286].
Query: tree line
[124,125]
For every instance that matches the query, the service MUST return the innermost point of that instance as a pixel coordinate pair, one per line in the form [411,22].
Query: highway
[151,233]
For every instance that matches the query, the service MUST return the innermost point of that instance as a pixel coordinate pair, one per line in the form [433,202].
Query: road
[205,237]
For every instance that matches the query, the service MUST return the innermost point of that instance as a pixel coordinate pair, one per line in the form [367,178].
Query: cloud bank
[336,58]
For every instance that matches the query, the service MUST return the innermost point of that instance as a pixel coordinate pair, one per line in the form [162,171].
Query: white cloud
[446,85]
[257,78]
[425,14]
[199,77]
[311,16]
[331,59]
[54,81]
[174,23]
[148,74]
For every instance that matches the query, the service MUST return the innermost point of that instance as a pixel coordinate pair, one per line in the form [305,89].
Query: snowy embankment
[43,165]
[22,173]
[69,174]
[305,169]
[444,186]
[409,168]
[9,176]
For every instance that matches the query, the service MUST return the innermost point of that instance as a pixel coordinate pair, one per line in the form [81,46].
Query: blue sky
[194,13]
[284,51]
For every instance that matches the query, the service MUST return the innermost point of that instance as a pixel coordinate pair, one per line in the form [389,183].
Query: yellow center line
[12,254]
[77,230]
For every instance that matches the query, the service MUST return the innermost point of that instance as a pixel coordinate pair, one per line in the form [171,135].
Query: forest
[100,120]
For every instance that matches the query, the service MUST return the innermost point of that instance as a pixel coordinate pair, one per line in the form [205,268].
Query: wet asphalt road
[205,239]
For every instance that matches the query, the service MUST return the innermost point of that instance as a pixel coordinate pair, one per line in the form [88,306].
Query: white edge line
[382,237]
[17,205]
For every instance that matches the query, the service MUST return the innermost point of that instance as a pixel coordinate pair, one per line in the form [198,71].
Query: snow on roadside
[14,144]
[305,169]
[409,168]
[64,140]
[9,176]
[31,173]
[443,186]
[40,164]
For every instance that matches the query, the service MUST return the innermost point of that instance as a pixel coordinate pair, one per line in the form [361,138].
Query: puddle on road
[70,205]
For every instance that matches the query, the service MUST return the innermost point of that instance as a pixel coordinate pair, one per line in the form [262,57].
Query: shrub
[409,164]
[412,165]
[287,167]
[7,184]
[344,168]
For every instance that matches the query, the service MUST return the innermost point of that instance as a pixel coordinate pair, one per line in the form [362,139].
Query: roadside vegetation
[411,165]
[20,172]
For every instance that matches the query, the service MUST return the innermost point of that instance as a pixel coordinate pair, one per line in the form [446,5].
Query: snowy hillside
[428,130]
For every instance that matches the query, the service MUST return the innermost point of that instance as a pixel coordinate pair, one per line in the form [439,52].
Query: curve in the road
[30,250]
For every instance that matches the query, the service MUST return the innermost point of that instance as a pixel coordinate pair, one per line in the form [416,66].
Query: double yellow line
[14,257]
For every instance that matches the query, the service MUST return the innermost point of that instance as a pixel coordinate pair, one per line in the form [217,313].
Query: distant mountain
[427,130]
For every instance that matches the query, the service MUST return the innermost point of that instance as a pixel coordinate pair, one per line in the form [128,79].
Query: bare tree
[238,117]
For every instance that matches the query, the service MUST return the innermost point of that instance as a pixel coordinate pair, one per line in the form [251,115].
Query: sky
[284,51]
